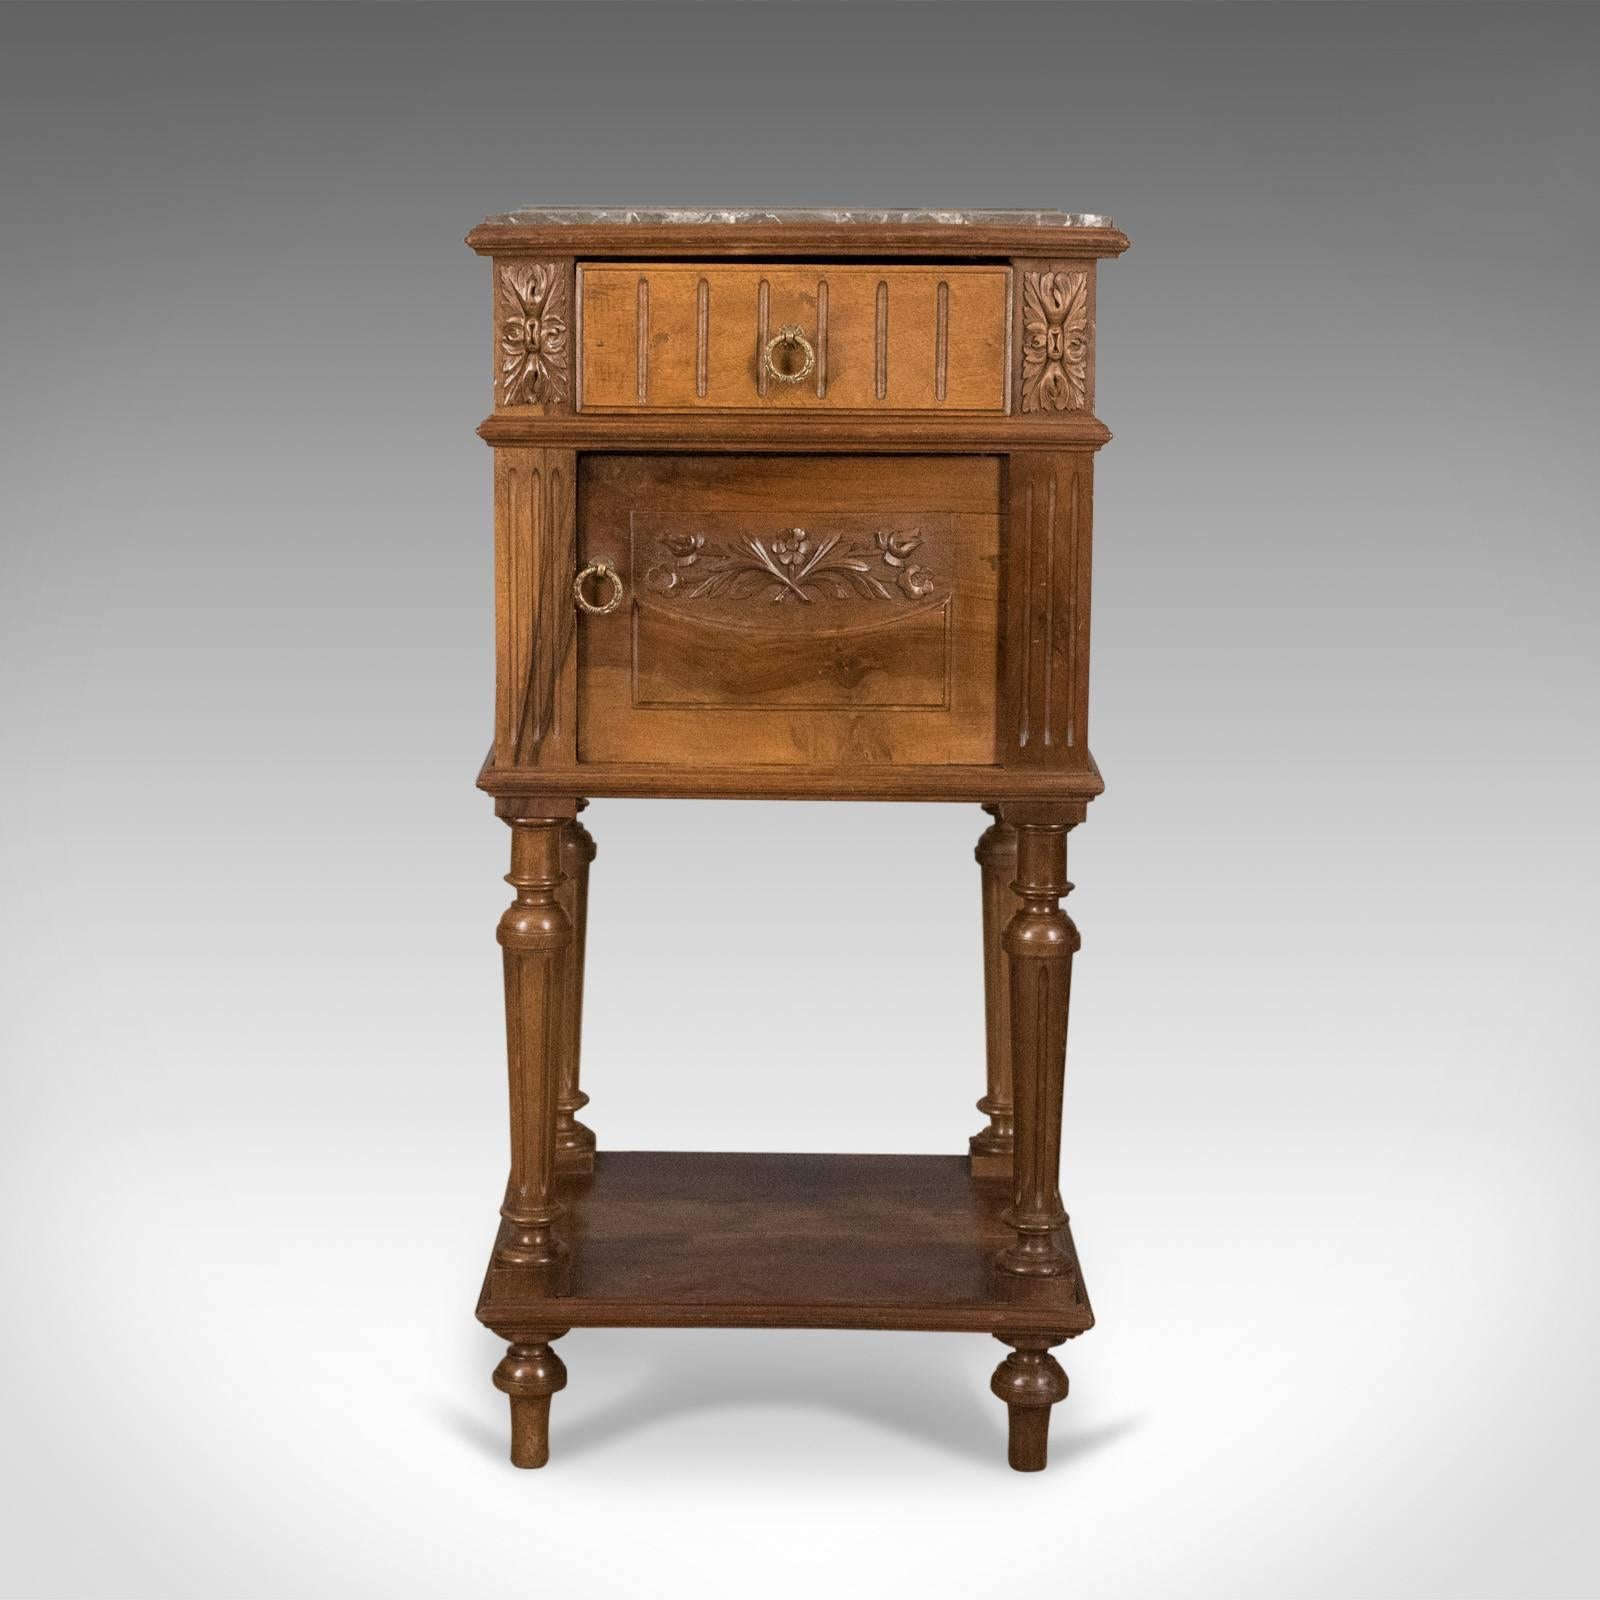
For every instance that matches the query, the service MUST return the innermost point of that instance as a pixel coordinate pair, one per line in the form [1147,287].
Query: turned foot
[1030,1381]
[530,1374]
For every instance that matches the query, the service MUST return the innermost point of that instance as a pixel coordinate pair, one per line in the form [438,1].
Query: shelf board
[669,1239]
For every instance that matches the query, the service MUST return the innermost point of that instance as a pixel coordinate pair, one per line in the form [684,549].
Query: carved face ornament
[1064,344]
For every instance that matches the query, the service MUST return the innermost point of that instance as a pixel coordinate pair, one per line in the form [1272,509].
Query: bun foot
[1030,1381]
[530,1374]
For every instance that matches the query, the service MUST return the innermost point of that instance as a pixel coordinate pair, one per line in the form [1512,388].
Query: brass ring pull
[598,569]
[790,336]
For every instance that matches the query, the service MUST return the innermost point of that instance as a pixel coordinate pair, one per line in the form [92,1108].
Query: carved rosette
[1055,341]
[532,341]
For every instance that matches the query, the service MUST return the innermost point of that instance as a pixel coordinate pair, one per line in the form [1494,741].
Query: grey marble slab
[610,216]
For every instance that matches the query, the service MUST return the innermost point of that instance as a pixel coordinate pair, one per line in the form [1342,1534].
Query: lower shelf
[680,1240]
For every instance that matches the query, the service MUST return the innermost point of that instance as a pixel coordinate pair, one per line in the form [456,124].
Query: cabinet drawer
[826,610]
[846,338]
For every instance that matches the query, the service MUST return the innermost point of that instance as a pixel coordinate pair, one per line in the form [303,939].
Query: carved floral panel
[533,346]
[792,565]
[1055,341]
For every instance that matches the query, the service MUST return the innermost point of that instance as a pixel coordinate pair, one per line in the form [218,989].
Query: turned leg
[1030,1381]
[1040,942]
[990,1149]
[574,1142]
[535,935]
[530,1374]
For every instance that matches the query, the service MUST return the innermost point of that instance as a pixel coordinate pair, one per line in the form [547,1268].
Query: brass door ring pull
[789,337]
[598,569]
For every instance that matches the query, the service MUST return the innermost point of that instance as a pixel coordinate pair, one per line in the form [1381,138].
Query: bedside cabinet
[792,505]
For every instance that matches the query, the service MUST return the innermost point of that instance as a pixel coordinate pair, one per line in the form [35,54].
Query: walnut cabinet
[792,505]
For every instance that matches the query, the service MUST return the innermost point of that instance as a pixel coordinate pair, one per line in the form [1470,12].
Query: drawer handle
[789,337]
[601,570]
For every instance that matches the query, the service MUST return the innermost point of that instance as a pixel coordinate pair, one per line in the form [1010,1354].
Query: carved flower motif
[684,550]
[533,333]
[897,548]
[1055,341]
[792,548]
[915,582]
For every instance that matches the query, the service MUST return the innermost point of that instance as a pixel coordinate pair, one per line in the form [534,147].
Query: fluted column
[1040,943]
[989,1151]
[574,1142]
[535,934]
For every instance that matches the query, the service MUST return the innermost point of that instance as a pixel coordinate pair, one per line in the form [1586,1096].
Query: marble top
[612,216]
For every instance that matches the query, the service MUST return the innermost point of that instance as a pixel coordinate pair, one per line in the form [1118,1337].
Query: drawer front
[846,338]
[831,611]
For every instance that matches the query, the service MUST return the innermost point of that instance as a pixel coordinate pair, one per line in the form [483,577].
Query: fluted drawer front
[733,336]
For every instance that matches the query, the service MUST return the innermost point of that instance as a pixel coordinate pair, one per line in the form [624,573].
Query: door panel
[832,610]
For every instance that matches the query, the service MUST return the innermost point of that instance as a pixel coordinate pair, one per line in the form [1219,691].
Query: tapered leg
[535,935]
[989,1151]
[574,1142]
[1030,1381]
[1040,943]
[530,1373]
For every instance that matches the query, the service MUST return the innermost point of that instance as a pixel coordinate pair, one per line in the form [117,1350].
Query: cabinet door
[829,611]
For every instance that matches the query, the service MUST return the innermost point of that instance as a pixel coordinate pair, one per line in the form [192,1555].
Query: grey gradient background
[1332,1099]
